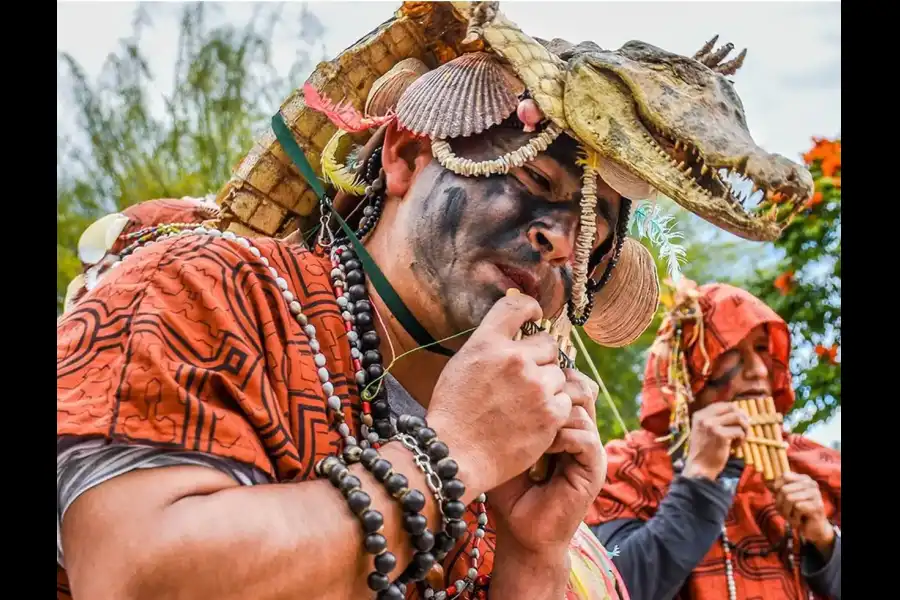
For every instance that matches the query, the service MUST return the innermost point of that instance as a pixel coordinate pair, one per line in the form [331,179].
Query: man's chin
[468,309]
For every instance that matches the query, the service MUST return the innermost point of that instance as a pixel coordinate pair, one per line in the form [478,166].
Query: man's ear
[403,157]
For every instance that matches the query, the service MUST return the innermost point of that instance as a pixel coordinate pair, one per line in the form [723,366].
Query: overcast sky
[790,83]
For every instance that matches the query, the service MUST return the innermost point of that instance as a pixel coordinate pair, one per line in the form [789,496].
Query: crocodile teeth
[704,169]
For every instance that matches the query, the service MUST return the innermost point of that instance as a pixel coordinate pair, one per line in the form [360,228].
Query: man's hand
[535,523]
[799,500]
[543,518]
[715,430]
[499,403]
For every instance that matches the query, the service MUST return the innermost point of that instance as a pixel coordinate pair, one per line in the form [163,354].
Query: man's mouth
[526,282]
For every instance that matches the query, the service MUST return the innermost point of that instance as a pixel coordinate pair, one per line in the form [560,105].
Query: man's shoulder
[802,442]
[223,270]
[220,256]
[799,445]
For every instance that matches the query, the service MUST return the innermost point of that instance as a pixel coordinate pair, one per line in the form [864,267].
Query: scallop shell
[463,97]
[623,182]
[388,88]
[625,307]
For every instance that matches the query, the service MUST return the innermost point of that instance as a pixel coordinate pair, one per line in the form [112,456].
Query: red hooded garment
[640,470]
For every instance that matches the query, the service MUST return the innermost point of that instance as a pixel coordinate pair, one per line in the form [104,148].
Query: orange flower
[822,150]
[784,282]
[815,200]
[778,198]
[829,354]
[831,164]
[836,182]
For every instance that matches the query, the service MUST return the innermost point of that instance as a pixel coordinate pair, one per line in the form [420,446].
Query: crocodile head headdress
[647,120]
[677,123]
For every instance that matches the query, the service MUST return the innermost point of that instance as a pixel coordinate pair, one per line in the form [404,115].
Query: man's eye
[539,179]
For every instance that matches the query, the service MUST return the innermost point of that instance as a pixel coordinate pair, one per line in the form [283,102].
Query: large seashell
[622,181]
[99,237]
[463,97]
[625,307]
[387,89]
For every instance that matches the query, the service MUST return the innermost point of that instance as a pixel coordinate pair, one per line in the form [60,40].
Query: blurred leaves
[804,287]
[132,144]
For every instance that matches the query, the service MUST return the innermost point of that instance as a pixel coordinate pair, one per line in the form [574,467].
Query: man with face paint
[698,523]
[212,395]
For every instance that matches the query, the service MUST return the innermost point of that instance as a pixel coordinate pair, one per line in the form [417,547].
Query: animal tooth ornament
[648,121]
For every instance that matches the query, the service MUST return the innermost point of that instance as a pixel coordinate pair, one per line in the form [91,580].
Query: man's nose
[556,244]
[756,367]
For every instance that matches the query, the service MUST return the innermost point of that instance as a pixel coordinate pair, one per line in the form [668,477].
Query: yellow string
[368,396]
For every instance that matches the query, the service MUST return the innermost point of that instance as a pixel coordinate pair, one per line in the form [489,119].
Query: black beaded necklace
[376,427]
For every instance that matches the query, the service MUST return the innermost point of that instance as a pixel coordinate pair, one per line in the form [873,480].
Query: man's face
[744,372]
[473,238]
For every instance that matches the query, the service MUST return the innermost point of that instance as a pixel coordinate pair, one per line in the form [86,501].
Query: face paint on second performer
[473,237]
[742,372]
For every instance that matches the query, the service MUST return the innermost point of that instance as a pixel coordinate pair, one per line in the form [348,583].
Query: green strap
[379,281]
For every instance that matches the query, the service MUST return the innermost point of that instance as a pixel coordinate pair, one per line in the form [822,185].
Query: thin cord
[599,380]
[367,395]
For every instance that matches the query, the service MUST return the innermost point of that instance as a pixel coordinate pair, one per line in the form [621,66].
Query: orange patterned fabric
[640,469]
[149,214]
[163,211]
[190,345]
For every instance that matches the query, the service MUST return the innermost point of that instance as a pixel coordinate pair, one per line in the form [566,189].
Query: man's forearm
[522,574]
[263,542]
[655,557]
[823,572]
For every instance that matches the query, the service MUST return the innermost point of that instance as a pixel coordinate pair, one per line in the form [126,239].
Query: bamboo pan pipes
[764,449]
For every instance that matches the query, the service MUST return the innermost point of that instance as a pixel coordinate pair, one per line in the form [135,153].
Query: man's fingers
[794,487]
[800,496]
[508,315]
[583,391]
[552,379]
[561,407]
[732,433]
[802,509]
[783,506]
[540,348]
[583,445]
[579,418]
[791,476]
[738,418]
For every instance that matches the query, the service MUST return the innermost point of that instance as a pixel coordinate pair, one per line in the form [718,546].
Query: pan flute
[541,471]
[764,448]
